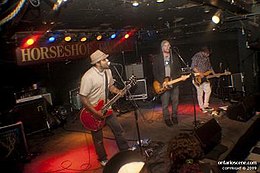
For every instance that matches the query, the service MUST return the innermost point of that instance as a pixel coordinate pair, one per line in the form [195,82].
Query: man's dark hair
[206,49]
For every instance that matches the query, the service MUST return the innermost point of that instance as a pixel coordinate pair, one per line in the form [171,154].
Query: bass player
[95,84]
[167,64]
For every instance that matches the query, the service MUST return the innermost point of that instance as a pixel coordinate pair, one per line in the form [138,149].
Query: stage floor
[69,147]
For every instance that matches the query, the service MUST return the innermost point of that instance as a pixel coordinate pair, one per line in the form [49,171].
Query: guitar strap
[106,87]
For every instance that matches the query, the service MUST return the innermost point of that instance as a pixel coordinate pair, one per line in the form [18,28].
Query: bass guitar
[159,88]
[198,80]
[90,122]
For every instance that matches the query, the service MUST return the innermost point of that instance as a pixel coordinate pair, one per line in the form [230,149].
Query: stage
[69,147]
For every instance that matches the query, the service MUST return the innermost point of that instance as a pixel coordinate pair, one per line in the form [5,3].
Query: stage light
[29,41]
[99,37]
[67,38]
[135,4]
[82,37]
[125,162]
[159,1]
[51,39]
[217,17]
[127,36]
[113,36]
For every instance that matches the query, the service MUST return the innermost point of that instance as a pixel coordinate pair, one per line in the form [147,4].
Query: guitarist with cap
[167,66]
[202,66]
[95,84]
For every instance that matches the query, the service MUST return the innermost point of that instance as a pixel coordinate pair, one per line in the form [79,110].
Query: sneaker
[208,109]
[133,148]
[203,110]
[103,162]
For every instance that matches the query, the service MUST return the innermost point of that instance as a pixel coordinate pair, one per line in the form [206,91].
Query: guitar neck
[114,99]
[215,75]
[175,81]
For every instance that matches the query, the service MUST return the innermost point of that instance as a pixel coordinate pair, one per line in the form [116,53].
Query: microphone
[113,63]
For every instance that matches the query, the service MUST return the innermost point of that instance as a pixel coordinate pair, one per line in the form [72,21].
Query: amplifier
[33,115]
[134,69]
[138,91]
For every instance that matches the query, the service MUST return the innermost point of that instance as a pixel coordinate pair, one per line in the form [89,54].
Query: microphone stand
[135,112]
[179,56]
[196,122]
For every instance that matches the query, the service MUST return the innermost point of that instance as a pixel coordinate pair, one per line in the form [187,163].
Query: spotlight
[216,17]
[135,3]
[29,41]
[67,37]
[124,162]
[99,37]
[159,1]
[126,36]
[51,39]
[82,37]
[113,36]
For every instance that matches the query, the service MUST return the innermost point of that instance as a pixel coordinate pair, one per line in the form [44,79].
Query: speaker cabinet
[134,69]
[209,135]
[33,114]
[138,91]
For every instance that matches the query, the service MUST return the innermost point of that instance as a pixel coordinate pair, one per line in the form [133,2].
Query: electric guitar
[198,80]
[90,122]
[159,89]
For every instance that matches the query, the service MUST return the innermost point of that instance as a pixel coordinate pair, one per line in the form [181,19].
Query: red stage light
[29,41]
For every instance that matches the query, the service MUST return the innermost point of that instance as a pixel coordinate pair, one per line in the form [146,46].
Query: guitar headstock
[227,72]
[132,80]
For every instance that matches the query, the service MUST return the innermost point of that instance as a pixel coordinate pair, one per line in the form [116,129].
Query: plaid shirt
[201,62]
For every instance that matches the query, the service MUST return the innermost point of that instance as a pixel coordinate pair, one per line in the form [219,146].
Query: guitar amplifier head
[138,91]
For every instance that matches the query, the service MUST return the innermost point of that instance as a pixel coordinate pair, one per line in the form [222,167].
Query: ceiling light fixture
[159,1]
[217,17]
[135,3]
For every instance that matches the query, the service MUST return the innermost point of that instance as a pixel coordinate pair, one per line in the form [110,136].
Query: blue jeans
[173,96]
[117,130]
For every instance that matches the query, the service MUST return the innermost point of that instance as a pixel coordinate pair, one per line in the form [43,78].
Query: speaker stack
[33,114]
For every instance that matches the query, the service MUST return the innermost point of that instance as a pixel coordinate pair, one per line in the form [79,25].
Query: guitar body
[158,88]
[198,80]
[88,119]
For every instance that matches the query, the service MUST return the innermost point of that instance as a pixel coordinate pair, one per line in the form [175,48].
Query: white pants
[205,89]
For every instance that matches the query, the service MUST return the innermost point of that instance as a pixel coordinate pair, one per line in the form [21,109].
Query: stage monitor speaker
[33,114]
[243,110]
[209,135]
[13,145]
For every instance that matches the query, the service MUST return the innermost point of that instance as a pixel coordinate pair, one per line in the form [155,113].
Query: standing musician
[201,65]
[167,65]
[93,89]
